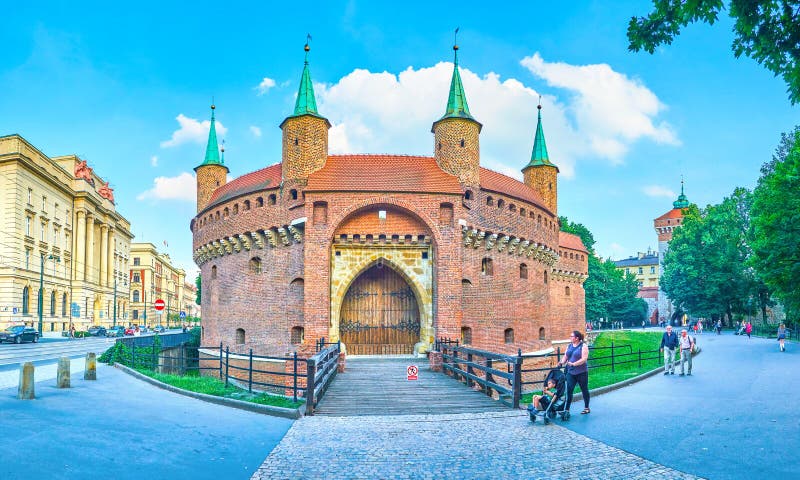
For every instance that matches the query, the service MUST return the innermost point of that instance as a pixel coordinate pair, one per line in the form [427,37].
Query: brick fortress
[384,252]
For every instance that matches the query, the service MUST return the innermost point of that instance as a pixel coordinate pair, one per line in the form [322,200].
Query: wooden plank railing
[487,369]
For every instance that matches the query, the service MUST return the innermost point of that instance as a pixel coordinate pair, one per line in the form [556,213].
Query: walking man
[669,342]
[687,347]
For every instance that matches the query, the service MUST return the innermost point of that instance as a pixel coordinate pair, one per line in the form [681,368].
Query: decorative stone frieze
[236,243]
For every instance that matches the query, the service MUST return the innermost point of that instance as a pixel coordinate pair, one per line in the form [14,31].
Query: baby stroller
[558,405]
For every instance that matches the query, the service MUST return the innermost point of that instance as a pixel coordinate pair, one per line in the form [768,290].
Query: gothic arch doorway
[380,314]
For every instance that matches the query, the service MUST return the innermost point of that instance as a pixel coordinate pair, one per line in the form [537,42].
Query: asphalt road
[122,428]
[12,355]
[737,416]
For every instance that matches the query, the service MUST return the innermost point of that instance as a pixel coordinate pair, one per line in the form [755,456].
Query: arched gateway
[379,314]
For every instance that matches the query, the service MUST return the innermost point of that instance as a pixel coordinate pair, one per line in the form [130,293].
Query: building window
[136,314]
[30,196]
[255,265]
[27,258]
[225,212]
[486,266]
[446,214]
[501,203]
[489,201]
[213,272]
[42,232]
[523,271]
[466,335]
[641,271]
[137,278]
[652,269]
[26,300]
[136,296]
[64,305]
[52,304]
[462,143]
[508,335]
[566,291]
[641,284]
[235,208]
[272,199]
[137,261]
[259,202]
[293,194]
[512,207]
[240,336]
[44,203]
[28,226]
[542,335]
[545,276]
[247,204]
[298,335]
[521,212]
[468,195]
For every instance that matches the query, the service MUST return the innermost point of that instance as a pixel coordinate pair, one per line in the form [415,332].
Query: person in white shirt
[686,344]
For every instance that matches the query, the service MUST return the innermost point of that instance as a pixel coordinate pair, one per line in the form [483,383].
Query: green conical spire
[539,155]
[212,148]
[306,103]
[682,201]
[457,100]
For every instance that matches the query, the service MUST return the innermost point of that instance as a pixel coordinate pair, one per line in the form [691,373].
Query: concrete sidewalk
[121,428]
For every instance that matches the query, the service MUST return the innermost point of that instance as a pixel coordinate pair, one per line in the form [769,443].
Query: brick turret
[305,134]
[212,173]
[456,135]
[540,173]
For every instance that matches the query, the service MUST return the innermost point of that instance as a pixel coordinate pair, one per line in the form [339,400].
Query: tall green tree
[776,228]
[765,30]
[610,294]
[198,283]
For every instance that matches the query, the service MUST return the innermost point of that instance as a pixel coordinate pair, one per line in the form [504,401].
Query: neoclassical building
[59,228]
[385,252]
[152,277]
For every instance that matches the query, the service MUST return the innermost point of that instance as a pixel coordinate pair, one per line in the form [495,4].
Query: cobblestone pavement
[471,446]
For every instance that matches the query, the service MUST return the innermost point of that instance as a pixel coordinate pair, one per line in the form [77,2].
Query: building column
[80,247]
[111,260]
[103,280]
[90,274]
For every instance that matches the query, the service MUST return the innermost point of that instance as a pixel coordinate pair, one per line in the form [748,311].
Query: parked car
[144,330]
[159,329]
[130,330]
[97,331]
[117,331]
[19,334]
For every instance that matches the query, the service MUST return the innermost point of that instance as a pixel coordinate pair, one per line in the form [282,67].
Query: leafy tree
[782,151]
[776,228]
[609,293]
[198,282]
[766,31]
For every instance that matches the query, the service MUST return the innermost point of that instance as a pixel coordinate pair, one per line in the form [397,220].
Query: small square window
[424,255]
[382,214]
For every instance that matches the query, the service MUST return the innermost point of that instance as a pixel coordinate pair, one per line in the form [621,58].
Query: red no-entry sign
[159,304]
[412,371]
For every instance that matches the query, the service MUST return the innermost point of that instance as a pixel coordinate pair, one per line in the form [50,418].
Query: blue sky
[128,87]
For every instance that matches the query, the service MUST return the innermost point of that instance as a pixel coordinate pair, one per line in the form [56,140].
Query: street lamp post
[41,288]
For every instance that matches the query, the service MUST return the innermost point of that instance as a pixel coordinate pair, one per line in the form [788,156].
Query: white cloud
[265,85]
[388,113]
[658,191]
[154,161]
[255,131]
[192,130]
[182,187]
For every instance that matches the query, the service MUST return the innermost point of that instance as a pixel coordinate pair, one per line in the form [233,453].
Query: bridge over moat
[379,386]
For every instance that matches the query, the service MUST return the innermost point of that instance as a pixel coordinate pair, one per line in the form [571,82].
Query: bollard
[62,375]
[26,391]
[91,367]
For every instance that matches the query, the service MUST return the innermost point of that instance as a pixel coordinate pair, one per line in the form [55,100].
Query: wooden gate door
[380,315]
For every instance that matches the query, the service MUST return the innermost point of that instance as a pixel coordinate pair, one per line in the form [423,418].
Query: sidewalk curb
[625,383]
[292,413]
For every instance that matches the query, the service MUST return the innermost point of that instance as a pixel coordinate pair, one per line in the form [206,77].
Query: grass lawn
[626,360]
[216,387]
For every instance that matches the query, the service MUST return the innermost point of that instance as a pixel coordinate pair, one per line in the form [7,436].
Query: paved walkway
[119,427]
[737,416]
[470,446]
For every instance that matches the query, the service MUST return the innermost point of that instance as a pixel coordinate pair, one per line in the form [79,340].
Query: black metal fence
[167,340]
[771,331]
[511,376]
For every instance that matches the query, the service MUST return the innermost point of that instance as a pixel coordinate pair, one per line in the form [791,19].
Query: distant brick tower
[212,173]
[665,225]
[456,135]
[305,134]
[540,174]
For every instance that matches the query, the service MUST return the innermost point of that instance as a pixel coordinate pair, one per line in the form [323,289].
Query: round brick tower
[212,173]
[456,135]
[305,134]
[540,173]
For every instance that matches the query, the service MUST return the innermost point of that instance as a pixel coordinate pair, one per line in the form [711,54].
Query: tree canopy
[198,282]
[768,31]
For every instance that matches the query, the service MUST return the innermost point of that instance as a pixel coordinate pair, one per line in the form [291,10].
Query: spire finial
[307,47]
[455,46]
[681,184]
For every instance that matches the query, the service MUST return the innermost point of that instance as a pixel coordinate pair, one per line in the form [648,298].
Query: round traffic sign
[159,304]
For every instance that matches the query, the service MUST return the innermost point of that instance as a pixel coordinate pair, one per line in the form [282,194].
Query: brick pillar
[435,359]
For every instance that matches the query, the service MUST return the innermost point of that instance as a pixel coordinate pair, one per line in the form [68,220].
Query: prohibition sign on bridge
[412,371]
[159,304]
